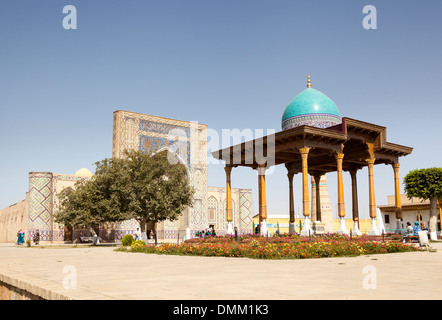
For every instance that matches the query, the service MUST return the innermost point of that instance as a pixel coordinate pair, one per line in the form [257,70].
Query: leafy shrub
[139,243]
[127,240]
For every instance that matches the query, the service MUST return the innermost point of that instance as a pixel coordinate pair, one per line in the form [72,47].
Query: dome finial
[309,83]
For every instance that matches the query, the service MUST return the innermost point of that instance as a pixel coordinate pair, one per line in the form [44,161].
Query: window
[212,213]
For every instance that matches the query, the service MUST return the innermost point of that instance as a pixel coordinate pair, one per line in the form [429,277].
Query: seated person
[416,228]
[409,230]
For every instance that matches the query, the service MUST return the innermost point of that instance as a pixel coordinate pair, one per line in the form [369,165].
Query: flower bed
[279,247]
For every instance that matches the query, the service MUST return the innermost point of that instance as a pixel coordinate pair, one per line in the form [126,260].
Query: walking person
[20,237]
[36,237]
[138,234]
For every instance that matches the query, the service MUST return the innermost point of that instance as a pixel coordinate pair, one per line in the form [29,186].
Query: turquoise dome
[311,107]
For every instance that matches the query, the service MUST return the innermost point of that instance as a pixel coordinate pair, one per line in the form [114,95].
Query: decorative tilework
[187,140]
[181,148]
[212,204]
[165,128]
[196,216]
[246,211]
[314,120]
[40,201]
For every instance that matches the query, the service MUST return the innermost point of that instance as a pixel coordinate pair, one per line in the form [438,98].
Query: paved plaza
[102,273]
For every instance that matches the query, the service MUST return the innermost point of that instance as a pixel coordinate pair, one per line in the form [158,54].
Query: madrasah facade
[187,141]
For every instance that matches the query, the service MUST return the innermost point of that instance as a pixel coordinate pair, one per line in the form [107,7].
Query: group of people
[137,235]
[412,231]
[21,237]
[205,233]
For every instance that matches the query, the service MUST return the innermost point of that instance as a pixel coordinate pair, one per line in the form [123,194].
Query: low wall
[13,289]
[12,219]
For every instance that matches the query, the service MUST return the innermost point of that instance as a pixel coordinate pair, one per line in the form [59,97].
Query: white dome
[83,172]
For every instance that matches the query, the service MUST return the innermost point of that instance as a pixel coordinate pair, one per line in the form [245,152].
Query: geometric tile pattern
[180,148]
[40,203]
[246,210]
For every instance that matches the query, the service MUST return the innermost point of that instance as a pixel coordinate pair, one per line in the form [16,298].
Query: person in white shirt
[138,234]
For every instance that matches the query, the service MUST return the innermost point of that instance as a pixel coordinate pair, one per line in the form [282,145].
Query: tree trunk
[433,218]
[155,229]
[143,224]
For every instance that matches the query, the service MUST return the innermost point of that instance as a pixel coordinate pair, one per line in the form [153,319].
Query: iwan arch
[316,140]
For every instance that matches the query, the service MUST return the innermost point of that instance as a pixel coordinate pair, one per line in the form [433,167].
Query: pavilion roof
[352,137]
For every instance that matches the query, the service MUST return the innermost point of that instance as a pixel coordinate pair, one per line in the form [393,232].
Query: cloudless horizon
[227,64]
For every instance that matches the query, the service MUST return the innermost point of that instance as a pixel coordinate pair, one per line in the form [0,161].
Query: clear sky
[227,64]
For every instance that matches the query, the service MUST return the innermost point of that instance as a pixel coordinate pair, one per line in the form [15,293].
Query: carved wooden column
[354,202]
[397,198]
[371,193]
[229,216]
[291,204]
[263,201]
[318,198]
[306,229]
[341,204]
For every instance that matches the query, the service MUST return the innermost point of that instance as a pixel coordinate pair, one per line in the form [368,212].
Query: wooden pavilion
[348,146]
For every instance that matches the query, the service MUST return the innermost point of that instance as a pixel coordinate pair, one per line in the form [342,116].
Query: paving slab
[100,273]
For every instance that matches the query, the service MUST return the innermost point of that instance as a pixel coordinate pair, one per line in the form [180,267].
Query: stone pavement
[101,273]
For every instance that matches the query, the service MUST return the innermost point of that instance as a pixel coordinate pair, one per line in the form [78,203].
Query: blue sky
[227,64]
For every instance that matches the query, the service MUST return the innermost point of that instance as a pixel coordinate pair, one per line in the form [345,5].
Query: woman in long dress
[20,237]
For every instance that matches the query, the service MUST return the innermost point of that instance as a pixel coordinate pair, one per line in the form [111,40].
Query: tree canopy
[143,186]
[424,183]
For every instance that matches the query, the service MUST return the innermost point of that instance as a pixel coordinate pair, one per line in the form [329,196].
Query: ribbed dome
[311,107]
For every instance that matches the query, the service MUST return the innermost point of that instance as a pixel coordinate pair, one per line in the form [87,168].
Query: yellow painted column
[262,191]
[397,191]
[229,217]
[341,204]
[371,194]
[342,229]
[306,229]
[305,192]
[397,198]
[263,201]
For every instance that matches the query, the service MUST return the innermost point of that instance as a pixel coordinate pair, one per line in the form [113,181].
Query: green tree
[89,204]
[147,187]
[426,184]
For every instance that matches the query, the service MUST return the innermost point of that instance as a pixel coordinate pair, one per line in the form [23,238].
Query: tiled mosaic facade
[43,201]
[188,142]
[242,209]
